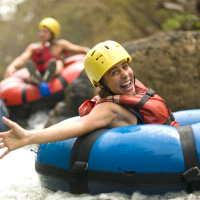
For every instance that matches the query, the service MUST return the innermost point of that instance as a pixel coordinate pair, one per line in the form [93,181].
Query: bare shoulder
[62,42]
[113,115]
[32,46]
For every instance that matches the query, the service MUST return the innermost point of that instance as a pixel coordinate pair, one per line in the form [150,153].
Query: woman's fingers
[7,121]
[11,139]
[2,145]
[4,154]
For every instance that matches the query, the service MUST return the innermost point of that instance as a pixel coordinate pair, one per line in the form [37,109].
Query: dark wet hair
[103,92]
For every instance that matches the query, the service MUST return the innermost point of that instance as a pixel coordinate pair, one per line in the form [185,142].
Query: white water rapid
[19,181]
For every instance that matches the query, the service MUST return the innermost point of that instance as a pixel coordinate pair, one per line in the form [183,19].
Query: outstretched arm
[18,137]
[73,48]
[113,116]
[19,61]
[10,140]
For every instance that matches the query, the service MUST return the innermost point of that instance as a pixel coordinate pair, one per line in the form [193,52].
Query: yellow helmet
[51,24]
[102,57]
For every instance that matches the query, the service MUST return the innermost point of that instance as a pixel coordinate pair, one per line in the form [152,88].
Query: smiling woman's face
[45,34]
[120,79]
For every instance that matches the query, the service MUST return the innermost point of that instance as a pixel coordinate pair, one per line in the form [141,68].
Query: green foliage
[182,22]
[87,22]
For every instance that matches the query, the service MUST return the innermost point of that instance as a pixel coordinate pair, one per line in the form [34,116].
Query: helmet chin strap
[106,88]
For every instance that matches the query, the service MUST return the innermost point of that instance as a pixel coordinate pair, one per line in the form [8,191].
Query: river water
[19,181]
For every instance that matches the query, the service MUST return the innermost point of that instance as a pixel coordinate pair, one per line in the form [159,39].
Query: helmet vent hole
[93,53]
[106,47]
[99,57]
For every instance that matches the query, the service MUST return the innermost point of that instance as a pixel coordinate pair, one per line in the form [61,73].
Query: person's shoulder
[113,107]
[31,47]
[116,114]
[61,41]
[64,43]
[109,106]
[34,45]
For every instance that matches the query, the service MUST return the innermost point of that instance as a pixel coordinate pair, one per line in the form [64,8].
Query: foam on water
[19,181]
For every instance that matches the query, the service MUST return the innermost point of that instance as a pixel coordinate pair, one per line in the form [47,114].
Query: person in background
[119,102]
[44,59]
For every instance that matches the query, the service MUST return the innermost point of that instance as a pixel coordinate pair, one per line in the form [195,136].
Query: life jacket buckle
[79,167]
[150,92]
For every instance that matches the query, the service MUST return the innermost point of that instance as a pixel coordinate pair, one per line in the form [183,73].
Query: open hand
[13,139]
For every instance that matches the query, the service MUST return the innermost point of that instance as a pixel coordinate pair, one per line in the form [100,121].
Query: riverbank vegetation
[88,22]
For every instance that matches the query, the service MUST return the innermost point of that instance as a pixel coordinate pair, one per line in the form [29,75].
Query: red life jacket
[152,108]
[42,56]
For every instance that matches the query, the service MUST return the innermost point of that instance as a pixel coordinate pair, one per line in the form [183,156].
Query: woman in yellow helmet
[46,55]
[107,67]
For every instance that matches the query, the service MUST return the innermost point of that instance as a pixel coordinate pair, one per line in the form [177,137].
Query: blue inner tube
[145,158]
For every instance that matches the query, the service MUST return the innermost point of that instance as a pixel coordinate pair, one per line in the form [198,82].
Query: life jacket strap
[170,119]
[149,93]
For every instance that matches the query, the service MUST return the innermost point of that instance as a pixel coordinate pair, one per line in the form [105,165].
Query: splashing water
[19,181]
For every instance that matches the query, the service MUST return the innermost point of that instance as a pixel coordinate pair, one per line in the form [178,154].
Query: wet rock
[57,114]
[168,62]
[79,91]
